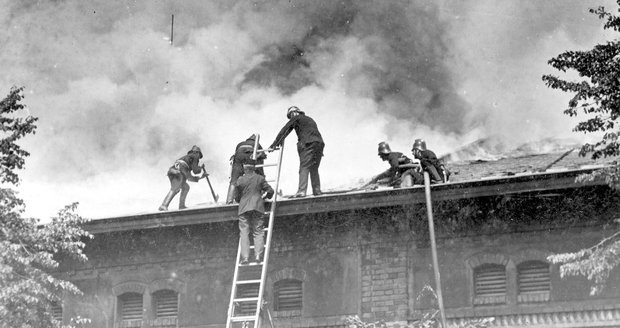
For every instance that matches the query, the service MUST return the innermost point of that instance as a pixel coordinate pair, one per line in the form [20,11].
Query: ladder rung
[246,299]
[265,165]
[271,181]
[251,264]
[265,229]
[240,319]
[245,282]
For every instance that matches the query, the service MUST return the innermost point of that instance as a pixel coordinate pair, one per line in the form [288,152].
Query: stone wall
[372,263]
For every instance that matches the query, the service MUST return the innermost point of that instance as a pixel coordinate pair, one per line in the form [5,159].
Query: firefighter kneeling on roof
[403,171]
[430,163]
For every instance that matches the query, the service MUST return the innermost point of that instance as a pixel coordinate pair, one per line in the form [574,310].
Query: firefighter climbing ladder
[245,306]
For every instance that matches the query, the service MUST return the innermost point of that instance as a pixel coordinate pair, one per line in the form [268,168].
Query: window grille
[166,303]
[130,305]
[534,281]
[490,284]
[288,295]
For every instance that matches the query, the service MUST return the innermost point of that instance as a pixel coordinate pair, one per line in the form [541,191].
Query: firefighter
[179,173]
[403,171]
[243,154]
[309,147]
[430,163]
[252,190]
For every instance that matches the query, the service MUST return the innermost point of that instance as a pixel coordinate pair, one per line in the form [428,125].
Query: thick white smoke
[118,103]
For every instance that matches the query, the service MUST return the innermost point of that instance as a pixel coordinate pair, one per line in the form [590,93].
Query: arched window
[490,284]
[165,303]
[533,281]
[288,295]
[130,307]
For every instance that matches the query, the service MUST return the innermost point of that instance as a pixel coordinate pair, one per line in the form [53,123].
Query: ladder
[246,296]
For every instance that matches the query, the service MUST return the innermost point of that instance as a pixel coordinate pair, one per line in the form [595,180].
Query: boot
[167,200]
[182,199]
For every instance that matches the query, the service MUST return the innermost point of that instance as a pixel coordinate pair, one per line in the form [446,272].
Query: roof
[529,173]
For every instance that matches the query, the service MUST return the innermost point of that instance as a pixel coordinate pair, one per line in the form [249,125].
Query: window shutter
[490,284]
[534,281]
[534,277]
[245,291]
[166,303]
[131,306]
[56,311]
[288,295]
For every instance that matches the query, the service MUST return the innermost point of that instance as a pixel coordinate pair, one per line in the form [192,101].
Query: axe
[206,176]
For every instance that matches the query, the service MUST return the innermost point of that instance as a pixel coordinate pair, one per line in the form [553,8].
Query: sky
[118,102]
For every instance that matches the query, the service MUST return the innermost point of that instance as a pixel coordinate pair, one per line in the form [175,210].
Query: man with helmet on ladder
[243,154]
[309,147]
[179,173]
[403,171]
[430,163]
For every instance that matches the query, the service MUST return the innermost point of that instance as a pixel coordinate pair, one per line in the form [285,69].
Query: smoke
[118,103]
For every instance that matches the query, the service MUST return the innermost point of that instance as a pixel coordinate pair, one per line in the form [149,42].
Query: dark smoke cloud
[117,102]
[407,64]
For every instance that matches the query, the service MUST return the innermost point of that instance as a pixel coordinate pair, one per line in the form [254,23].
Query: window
[166,303]
[56,311]
[130,309]
[490,284]
[533,281]
[246,291]
[288,295]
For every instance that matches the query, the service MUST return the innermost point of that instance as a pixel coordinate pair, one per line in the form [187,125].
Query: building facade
[361,253]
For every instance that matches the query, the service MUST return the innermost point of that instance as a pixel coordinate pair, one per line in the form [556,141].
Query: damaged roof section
[470,179]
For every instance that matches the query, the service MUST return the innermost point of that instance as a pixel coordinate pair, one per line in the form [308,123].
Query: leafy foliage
[12,157]
[428,319]
[595,263]
[597,96]
[28,250]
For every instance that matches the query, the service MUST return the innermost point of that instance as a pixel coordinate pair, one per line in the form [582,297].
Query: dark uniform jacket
[187,163]
[304,126]
[431,163]
[250,188]
[395,159]
[243,154]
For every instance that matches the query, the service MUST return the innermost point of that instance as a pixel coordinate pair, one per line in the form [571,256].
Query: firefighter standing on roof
[179,173]
[243,154]
[403,172]
[309,147]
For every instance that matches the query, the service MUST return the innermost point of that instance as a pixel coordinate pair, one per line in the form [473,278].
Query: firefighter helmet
[384,148]
[419,144]
[292,110]
[195,149]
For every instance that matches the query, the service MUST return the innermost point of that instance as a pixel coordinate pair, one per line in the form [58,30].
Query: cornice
[352,200]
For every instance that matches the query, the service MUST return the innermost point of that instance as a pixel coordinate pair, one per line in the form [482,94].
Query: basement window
[130,310]
[490,284]
[288,295]
[533,281]
[165,308]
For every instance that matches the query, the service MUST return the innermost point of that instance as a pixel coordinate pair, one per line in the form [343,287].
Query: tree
[29,250]
[597,97]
